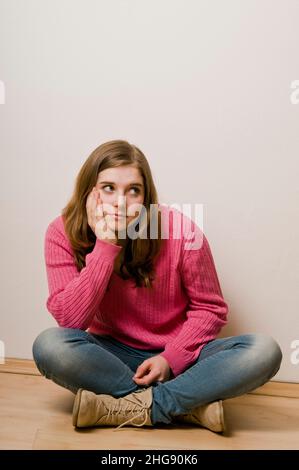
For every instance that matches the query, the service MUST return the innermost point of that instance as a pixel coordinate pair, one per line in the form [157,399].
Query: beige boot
[105,410]
[209,416]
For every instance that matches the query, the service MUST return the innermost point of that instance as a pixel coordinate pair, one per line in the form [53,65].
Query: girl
[138,311]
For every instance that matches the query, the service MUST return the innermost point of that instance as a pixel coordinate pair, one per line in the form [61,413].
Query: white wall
[203,88]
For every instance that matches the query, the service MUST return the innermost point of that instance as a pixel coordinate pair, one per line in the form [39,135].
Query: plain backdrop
[203,89]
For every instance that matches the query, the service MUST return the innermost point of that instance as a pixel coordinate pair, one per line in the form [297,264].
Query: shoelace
[131,419]
[144,409]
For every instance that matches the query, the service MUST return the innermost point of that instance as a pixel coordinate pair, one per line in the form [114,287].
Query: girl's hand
[96,219]
[154,369]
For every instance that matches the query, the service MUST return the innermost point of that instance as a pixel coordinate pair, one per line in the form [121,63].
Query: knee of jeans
[268,353]
[46,345]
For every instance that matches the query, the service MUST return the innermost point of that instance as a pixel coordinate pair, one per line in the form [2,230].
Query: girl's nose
[120,201]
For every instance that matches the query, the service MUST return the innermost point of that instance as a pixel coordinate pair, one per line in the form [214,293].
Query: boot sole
[76,406]
[221,417]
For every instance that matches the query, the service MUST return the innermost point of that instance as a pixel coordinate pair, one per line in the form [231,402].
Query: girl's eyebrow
[111,182]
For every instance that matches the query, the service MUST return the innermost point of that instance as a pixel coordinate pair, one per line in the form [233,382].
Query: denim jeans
[225,368]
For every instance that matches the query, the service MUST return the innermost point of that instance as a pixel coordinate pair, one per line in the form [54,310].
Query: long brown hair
[136,258]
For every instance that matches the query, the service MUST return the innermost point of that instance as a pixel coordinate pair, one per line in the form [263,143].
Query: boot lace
[114,409]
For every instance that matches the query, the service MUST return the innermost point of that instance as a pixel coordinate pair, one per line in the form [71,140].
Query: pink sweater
[185,310]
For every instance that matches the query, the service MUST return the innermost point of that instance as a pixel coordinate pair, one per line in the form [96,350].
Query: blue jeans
[225,368]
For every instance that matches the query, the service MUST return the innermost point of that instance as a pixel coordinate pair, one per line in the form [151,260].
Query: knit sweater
[183,312]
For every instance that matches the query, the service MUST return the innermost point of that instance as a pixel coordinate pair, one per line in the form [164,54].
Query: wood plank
[278,389]
[36,413]
[19,366]
[253,422]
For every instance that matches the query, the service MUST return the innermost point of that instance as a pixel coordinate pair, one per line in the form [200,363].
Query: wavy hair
[136,259]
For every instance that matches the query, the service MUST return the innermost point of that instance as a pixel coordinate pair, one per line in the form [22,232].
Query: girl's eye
[137,191]
[108,186]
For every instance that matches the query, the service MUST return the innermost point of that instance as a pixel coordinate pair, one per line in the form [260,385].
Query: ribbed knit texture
[185,310]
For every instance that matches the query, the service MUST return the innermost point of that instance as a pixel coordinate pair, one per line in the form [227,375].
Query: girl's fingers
[94,205]
[88,201]
[99,210]
[94,198]
[98,195]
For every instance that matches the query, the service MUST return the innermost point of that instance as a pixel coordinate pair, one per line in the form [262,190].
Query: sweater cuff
[178,360]
[106,250]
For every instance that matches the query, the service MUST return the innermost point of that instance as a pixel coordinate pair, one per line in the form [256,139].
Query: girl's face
[120,189]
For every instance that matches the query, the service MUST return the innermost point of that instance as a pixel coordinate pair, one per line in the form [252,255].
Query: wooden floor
[35,413]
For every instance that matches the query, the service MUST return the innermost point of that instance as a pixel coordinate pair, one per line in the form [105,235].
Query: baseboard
[276,389]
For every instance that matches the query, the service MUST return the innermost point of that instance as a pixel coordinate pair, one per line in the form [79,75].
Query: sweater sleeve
[75,296]
[207,311]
